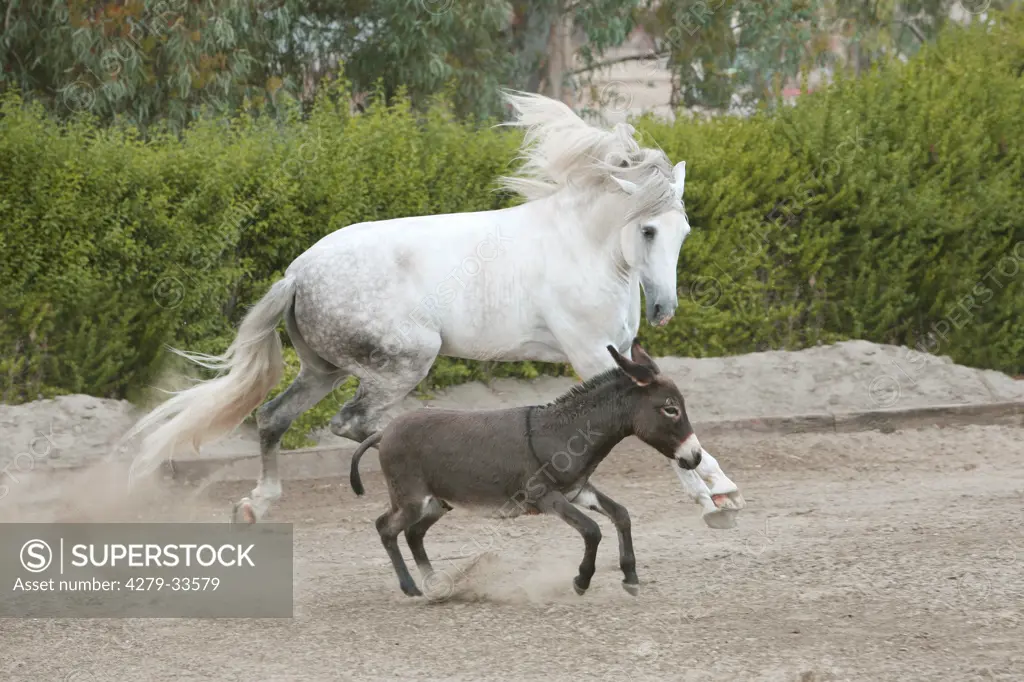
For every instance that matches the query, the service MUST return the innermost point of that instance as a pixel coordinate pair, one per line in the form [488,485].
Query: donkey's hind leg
[433,510]
[593,499]
[389,525]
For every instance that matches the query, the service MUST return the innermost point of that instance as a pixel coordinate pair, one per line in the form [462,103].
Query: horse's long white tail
[214,408]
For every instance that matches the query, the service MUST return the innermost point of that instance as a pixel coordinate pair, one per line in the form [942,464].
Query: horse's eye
[648,232]
[670,411]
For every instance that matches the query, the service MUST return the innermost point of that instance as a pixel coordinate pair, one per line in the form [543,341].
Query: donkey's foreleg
[272,420]
[555,503]
[593,499]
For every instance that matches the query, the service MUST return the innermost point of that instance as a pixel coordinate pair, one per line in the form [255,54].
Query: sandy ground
[860,557]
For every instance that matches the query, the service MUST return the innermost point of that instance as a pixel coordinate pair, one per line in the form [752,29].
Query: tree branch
[915,30]
[7,16]
[618,60]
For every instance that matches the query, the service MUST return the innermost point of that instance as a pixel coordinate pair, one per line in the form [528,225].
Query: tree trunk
[560,59]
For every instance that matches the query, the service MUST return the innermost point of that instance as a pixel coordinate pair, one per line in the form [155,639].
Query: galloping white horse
[555,279]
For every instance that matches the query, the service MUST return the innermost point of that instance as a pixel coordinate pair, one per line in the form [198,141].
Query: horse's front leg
[724,493]
[708,486]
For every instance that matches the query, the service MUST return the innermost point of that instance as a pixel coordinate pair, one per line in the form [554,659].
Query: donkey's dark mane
[594,382]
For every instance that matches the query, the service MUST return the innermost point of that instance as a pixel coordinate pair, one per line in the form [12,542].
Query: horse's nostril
[657,309]
[696,460]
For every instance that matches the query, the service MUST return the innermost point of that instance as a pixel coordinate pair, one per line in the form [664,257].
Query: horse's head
[651,248]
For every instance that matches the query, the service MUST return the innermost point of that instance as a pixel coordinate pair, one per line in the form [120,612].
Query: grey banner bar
[145,570]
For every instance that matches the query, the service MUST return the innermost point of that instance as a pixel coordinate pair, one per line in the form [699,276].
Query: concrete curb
[332,461]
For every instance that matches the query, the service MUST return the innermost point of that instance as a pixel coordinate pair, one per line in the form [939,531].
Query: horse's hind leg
[272,420]
[316,379]
[386,377]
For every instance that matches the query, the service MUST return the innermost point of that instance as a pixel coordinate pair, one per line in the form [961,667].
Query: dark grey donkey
[535,459]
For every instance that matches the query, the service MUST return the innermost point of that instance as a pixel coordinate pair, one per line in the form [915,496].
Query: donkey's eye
[670,411]
[648,232]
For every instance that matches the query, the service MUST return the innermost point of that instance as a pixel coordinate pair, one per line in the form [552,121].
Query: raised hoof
[723,519]
[632,588]
[730,502]
[243,512]
[576,586]
[411,591]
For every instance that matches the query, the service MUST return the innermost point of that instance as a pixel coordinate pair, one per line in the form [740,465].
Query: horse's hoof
[576,586]
[411,591]
[721,519]
[729,502]
[243,512]
[632,588]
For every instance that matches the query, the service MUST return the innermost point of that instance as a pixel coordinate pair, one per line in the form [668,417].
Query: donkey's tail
[353,476]
[212,409]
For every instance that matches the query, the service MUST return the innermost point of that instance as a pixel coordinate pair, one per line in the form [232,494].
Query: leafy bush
[887,208]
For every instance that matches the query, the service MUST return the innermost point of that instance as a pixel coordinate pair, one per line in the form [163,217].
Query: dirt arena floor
[863,556]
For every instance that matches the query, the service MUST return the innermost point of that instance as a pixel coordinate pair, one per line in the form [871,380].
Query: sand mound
[77,430]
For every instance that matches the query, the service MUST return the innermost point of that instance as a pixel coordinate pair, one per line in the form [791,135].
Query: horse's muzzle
[660,314]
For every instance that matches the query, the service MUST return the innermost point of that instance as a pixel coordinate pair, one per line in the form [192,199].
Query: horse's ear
[640,356]
[627,186]
[679,173]
[641,375]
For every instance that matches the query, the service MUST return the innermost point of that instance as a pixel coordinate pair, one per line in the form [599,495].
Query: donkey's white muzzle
[689,453]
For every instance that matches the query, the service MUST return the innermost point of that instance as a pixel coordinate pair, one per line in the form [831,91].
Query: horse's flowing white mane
[560,149]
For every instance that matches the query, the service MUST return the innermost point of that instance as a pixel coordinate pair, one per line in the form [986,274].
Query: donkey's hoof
[580,589]
[632,588]
[243,512]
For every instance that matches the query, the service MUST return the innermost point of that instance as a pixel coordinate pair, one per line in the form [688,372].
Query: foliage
[174,61]
[142,61]
[731,52]
[886,208]
[889,28]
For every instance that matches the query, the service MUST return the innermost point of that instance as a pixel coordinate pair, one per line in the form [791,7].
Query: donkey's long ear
[641,357]
[641,375]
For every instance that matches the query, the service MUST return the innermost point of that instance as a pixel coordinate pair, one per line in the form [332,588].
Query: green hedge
[890,208]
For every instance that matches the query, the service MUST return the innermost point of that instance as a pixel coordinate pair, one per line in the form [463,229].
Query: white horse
[554,279]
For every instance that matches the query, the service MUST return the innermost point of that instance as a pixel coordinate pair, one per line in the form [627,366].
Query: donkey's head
[659,412]
[651,248]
